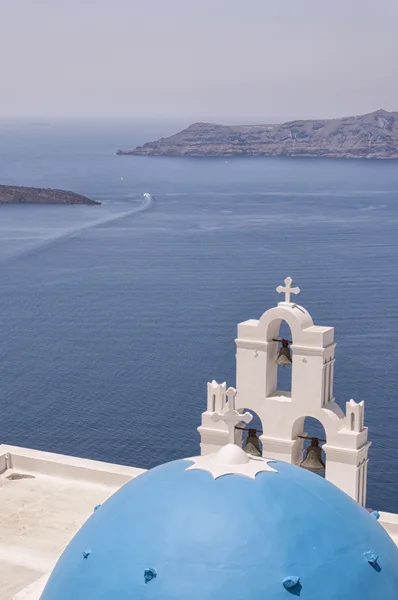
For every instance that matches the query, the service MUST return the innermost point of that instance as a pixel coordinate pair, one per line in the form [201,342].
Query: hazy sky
[220,60]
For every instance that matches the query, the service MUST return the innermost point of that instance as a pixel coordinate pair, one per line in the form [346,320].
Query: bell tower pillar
[347,453]
[214,432]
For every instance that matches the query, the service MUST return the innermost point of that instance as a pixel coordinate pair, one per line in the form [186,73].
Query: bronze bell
[252,445]
[284,356]
[313,458]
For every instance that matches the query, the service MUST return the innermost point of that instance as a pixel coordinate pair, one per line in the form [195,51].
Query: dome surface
[173,534]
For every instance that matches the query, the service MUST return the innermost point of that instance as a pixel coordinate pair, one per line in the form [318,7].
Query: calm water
[113,318]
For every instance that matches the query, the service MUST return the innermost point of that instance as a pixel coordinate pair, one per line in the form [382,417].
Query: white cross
[231,416]
[288,289]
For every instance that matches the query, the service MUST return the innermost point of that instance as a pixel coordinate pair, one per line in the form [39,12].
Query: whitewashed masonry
[282,414]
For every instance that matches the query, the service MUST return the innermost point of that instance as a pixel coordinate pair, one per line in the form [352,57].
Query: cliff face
[374,135]
[11,194]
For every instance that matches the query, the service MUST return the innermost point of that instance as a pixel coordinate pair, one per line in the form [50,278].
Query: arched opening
[352,422]
[309,453]
[250,434]
[284,370]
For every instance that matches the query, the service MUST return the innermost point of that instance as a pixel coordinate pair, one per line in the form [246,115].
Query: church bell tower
[282,414]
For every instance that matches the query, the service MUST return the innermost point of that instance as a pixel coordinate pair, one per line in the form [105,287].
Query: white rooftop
[44,499]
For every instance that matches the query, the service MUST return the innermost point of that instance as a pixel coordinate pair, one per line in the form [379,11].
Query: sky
[229,61]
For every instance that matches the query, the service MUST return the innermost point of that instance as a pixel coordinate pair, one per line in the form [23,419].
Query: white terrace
[44,499]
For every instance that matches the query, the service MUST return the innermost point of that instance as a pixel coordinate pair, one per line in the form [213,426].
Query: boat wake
[64,234]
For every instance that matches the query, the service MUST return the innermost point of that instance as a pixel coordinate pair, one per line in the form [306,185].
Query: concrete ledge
[33,591]
[68,467]
[390,523]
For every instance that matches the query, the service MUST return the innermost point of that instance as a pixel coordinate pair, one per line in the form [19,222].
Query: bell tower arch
[282,414]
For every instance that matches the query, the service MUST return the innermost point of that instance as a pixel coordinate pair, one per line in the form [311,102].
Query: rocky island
[373,135]
[11,194]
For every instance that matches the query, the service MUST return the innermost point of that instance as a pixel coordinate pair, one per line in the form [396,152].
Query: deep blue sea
[114,317]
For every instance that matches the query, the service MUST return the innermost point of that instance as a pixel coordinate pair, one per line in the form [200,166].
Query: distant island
[11,194]
[374,135]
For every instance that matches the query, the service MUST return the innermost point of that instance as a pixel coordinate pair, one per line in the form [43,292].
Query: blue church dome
[178,534]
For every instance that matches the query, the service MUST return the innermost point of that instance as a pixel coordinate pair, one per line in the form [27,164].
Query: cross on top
[231,416]
[288,289]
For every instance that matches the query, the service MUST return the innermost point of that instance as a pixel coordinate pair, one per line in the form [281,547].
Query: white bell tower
[282,414]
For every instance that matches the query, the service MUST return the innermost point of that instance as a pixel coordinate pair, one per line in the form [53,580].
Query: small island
[374,135]
[11,194]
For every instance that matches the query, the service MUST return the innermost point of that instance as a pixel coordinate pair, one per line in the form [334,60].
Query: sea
[113,318]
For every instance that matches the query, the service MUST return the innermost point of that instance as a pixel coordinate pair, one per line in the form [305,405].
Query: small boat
[147,196]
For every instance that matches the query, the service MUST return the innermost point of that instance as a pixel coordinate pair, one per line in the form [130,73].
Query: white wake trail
[63,234]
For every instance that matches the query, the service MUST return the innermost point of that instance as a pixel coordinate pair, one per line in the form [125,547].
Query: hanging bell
[252,445]
[313,459]
[284,356]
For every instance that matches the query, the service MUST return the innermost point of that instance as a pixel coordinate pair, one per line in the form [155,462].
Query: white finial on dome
[288,290]
[230,460]
[231,416]
[231,454]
